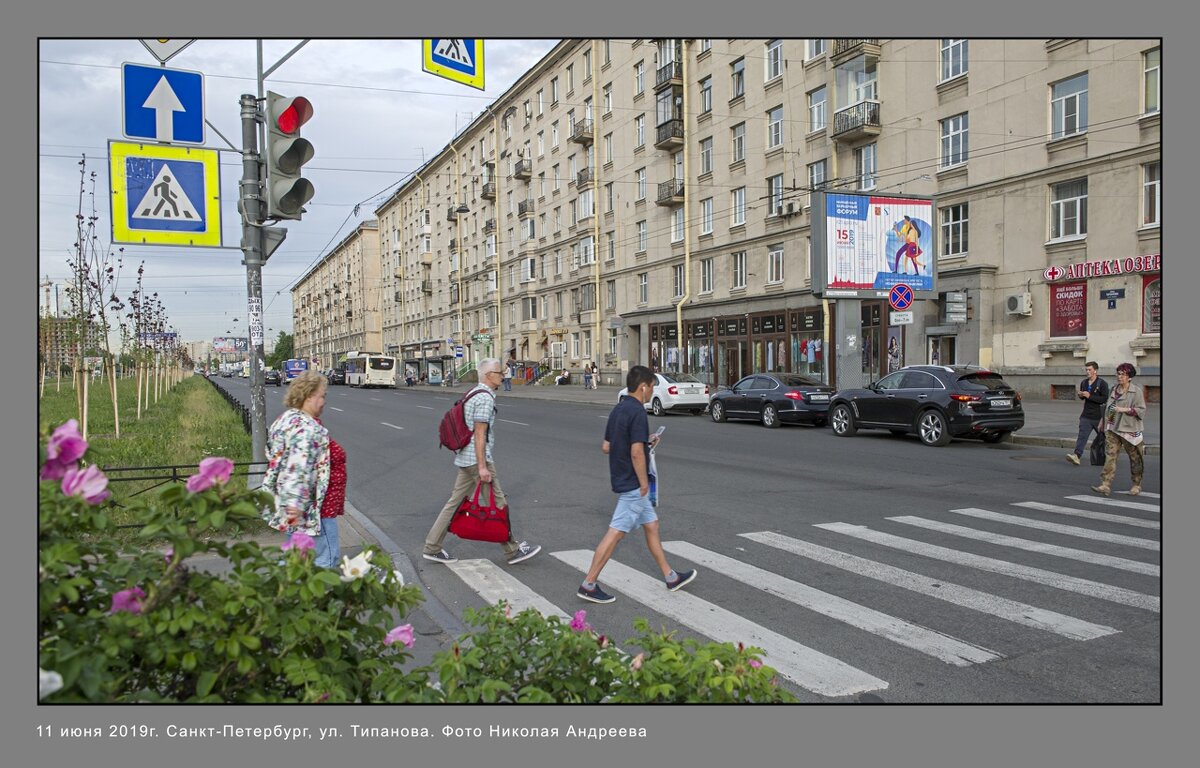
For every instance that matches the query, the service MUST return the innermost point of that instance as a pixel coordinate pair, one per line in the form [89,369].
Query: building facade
[650,201]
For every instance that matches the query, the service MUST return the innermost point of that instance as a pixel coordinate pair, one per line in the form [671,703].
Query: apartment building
[649,201]
[61,340]
[336,304]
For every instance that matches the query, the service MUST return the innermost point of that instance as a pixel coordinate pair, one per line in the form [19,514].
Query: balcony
[582,133]
[585,177]
[488,192]
[523,169]
[670,192]
[669,135]
[427,259]
[857,122]
[668,75]
[489,226]
[845,48]
[427,286]
[525,207]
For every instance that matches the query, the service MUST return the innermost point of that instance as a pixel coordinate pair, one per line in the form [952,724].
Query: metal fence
[158,476]
[242,410]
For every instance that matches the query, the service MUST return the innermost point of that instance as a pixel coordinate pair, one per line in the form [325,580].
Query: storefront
[769,343]
[664,349]
[701,355]
[733,350]
[807,354]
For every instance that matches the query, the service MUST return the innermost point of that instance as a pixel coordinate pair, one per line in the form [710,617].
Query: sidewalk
[1051,423]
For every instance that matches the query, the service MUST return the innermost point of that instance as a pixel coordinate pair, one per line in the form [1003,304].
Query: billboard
[230,345]
[864,245]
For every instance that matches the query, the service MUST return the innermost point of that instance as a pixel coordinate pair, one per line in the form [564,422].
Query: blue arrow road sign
[160,104]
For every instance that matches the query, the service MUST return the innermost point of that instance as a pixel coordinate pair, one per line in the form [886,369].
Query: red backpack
[453,431]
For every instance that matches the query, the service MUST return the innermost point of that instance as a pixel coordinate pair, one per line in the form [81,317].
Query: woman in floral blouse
[298,458]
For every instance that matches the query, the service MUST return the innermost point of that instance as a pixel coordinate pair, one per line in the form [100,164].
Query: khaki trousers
[464,485]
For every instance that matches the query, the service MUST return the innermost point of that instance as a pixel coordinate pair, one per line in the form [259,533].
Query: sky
[376,118]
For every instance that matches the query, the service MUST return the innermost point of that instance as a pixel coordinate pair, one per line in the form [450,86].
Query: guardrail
[159,476]
[241,409]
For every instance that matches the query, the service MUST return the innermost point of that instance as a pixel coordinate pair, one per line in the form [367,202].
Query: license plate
[1002,403]
[819,398]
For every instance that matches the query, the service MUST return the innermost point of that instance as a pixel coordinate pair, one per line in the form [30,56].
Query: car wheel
[718,412]
[932,428]
[842,421]
[656,407]
[770,416]
[994,437]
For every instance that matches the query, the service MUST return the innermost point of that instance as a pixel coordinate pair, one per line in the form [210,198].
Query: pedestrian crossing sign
[460,60]
[164,195]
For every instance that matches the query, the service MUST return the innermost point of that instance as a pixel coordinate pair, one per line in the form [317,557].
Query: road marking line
[426,407]
[518,423]
[335,408]
[393,426]
[1066,530]
[808,668]
[928,641]
[1089,514]
[1121,563]
[1117,503]
[965,597]
[1147,494]
[1015,570]
[376,399]
[495,584]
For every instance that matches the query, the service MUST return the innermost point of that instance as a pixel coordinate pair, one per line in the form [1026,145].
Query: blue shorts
[633,509]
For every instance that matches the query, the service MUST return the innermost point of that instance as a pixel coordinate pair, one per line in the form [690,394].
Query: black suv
[937,402]
[272,376]
[336,375]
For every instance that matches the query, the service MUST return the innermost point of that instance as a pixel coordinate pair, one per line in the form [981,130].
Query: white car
[675,392]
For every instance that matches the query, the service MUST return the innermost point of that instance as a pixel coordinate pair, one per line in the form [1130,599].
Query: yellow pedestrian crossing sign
[164,195]
[460,60]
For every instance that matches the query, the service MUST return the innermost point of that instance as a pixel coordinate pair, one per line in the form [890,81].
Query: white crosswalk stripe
[1116,503]
[494,584]
[1015,570]
[944,647]
[1066,530]
[984,602]
[1147,494]
[1083,556]
[1135,521]
[805,666]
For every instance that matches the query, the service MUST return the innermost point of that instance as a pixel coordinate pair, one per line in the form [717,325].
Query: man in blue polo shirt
[625,441]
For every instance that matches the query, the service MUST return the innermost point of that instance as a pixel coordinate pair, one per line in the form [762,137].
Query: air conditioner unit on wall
[1020,304]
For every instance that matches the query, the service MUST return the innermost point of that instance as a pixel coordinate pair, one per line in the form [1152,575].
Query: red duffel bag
[479,522]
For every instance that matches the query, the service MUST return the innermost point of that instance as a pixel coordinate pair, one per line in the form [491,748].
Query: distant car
[227,373]
[937,402]
[336,376]
[273,376]
[773,399]
[675,392]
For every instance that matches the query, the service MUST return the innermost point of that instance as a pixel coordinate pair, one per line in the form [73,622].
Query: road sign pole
[253,257]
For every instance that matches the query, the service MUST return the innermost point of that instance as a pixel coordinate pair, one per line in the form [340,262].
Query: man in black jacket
[1093,391]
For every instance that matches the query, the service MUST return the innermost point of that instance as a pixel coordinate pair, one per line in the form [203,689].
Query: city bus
[293,367]
[369,369]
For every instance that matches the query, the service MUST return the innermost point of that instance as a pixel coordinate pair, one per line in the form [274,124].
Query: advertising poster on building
[1068,309]
[872,243]
[230,345]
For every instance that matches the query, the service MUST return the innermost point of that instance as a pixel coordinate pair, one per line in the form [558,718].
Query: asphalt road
[845,616]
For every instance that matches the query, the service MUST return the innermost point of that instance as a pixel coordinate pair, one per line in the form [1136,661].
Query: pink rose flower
[90,484]
[127,600]
[636,664]
[400,634]
[579,623]
[214,469]
[63,451]
[755,663]
[299,540]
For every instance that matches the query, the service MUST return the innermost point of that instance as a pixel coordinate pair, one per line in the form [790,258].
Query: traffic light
[286,190]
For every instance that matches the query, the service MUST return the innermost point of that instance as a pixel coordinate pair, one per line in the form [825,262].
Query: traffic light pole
[253,257]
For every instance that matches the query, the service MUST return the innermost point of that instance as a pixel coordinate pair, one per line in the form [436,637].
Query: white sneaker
[524,552]
[1071,457]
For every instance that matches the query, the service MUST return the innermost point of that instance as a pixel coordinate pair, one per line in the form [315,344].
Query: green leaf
[205,683]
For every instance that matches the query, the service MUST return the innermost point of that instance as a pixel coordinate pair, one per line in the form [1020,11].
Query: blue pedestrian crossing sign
[460,60]
[163,195]
[160,104]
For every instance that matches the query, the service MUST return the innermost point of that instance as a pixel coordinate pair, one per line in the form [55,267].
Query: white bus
[367,369]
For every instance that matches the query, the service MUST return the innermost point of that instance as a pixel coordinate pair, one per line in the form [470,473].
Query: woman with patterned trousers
[1123,431]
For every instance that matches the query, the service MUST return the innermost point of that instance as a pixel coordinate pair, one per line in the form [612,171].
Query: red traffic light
[292,114]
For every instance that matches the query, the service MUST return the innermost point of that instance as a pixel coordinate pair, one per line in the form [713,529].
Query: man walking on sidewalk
[1093,391]
[475,466]
[625,441]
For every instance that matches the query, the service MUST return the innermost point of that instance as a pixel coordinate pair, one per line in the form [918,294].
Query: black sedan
[272,376]
[773,398]
[934,401]
[336,375]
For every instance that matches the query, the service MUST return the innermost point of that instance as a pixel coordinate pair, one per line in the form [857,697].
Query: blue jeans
[507,384]
[329,548]
[1086,427]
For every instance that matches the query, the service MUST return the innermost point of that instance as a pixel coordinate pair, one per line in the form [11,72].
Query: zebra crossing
[819,669]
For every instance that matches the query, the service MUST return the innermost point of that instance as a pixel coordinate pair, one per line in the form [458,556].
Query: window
[639,131]
[814,47]
[529,229]
[558,219]
[864,166]
[666,104]
[541,143]
[639,78]
[706,155]
[541,101]
[570,78]
[642,236]
[1152,60]
[677,162]
[528,111]
[706,275]
[1068,209]
[1151,193]
[738,268]
[587,109]
[737,206]
[775,195]
[608,197]
[610,247]
[612,339]
[774,66]
[542,224]
[641,183]
[775,127]
[737,79]
[643,287]
[489,246]
[571,174]
[816,109]
[1068,106]
[587,204]
[542,184]
[570,122]
[611,291]
[954,230]
[554,177]
[528,270]
[954,140]
[677,225]
[607,52]
[553,91]
[587,66]
[706,216]
[575,345]
[677,280]
[607,98]
[706,95]
[738,143]
[775,264]
[558,304]
[587,251]
[558,265]
[705,45]
[817,173]
[608,155]
[954,58]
